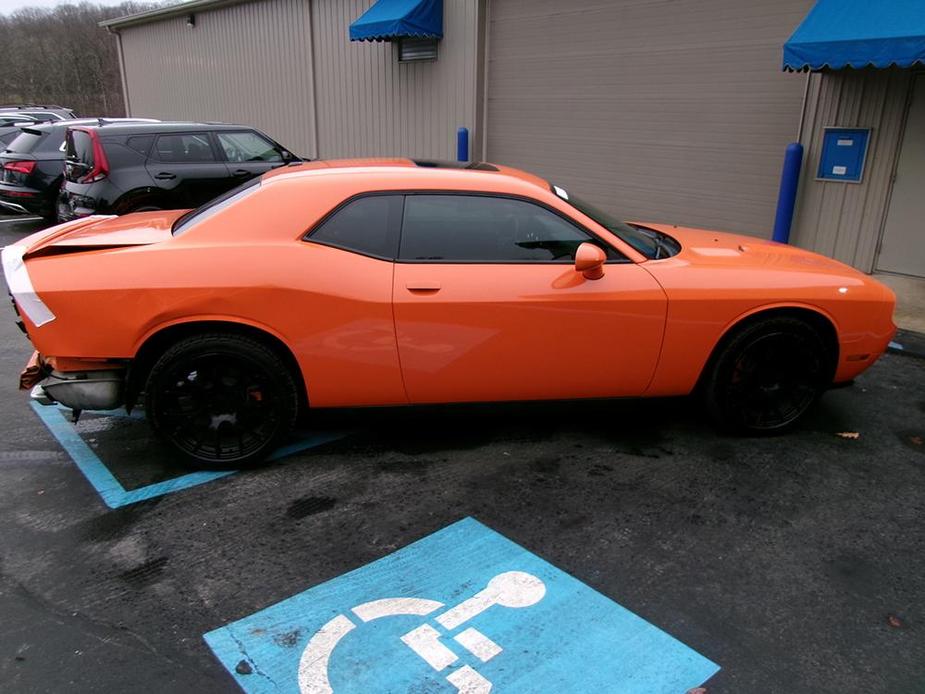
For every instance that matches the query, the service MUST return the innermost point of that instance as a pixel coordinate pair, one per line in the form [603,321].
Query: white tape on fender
[17,279]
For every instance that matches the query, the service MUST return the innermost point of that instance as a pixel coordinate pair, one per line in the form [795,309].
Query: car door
[248,153]
[348,345]
[185,166]
[488,306]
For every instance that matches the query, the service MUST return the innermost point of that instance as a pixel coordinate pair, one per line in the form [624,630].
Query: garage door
[662,111]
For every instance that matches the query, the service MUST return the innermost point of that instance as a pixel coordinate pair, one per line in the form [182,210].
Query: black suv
[115,169]
[32,165]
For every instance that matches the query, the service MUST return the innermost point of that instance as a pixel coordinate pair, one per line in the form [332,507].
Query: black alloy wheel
[768,376]
[222,401]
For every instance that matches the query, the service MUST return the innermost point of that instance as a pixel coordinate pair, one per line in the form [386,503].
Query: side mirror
[589,261]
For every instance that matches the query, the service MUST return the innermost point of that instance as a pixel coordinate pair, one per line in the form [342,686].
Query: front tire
[223,401]
[767,377]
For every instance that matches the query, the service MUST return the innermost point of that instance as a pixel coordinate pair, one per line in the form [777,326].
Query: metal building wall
[247,63]
[845,220]
[369,104]
[662,110]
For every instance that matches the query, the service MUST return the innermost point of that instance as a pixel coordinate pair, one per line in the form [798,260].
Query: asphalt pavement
[796,563]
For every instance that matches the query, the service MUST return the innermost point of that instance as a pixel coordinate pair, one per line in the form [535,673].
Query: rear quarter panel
[331,307]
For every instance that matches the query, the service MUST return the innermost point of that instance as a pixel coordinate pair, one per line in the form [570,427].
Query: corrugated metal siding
[663,110]
[844,220]
[369,104]
[249,63]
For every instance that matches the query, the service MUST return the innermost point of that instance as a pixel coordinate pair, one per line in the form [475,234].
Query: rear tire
[767,377]
[223,401]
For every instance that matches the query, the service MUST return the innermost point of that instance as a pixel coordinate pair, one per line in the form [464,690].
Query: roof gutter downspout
[125,97]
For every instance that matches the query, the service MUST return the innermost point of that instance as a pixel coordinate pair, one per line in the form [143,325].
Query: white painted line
[895,345]
[478,644]
[313,667]
[20,219]
[389,607]
[510,589]
[425,641]
[468,681]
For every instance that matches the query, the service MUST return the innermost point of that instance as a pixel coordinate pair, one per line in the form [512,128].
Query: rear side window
[367,225]
[470,228]
[27,142]
[140,143]
[184,148]
[248,146]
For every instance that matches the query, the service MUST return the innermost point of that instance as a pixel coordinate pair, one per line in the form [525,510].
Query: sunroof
[446,164]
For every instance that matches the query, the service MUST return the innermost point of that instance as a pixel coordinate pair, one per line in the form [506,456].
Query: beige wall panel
[369,104]
[673,111]
[844,220]
[248,63]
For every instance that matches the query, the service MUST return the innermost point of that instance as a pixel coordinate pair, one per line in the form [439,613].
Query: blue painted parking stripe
[462,610]
[83,456]
[114,495]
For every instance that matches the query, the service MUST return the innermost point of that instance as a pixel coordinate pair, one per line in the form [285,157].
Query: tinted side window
[487,229]
[367,225]
[26,142]
[245,146]
[185,148]
[140,143]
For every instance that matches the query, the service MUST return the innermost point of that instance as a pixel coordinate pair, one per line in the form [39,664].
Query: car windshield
[650,243]
[214,206]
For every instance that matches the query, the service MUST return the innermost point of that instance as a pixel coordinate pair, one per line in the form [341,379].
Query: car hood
[715,248]
[102,231]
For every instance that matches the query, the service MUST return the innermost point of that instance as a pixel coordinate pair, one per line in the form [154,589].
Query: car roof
[18,107]
[106,122]
[416,171]
[164,127]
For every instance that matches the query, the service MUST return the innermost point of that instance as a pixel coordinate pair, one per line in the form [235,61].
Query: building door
[902,249]
[650,110]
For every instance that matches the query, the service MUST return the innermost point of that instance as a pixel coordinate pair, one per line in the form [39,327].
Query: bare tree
[62,56]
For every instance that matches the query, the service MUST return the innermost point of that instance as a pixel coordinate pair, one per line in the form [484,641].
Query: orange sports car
[396,282]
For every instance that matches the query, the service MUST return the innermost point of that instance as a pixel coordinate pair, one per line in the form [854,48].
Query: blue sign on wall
[843,153]
[463,610]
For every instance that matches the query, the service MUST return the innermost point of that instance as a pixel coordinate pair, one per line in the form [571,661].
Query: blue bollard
[462,144]
[787,198]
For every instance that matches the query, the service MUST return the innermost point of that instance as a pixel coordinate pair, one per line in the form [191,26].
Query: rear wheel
[767,377]
[223,401]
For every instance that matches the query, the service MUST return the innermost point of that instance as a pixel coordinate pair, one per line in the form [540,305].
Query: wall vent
[414,49]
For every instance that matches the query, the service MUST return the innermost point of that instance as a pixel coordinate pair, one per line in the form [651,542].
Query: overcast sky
[7,6]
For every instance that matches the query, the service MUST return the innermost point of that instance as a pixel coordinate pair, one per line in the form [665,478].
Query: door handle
[423,286]
[240,172]
[164,176]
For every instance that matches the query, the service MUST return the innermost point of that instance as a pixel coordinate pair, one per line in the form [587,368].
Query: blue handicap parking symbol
[111,491]
[462,610]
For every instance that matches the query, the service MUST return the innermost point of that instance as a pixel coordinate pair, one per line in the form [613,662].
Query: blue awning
[392,19]
[858,33]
